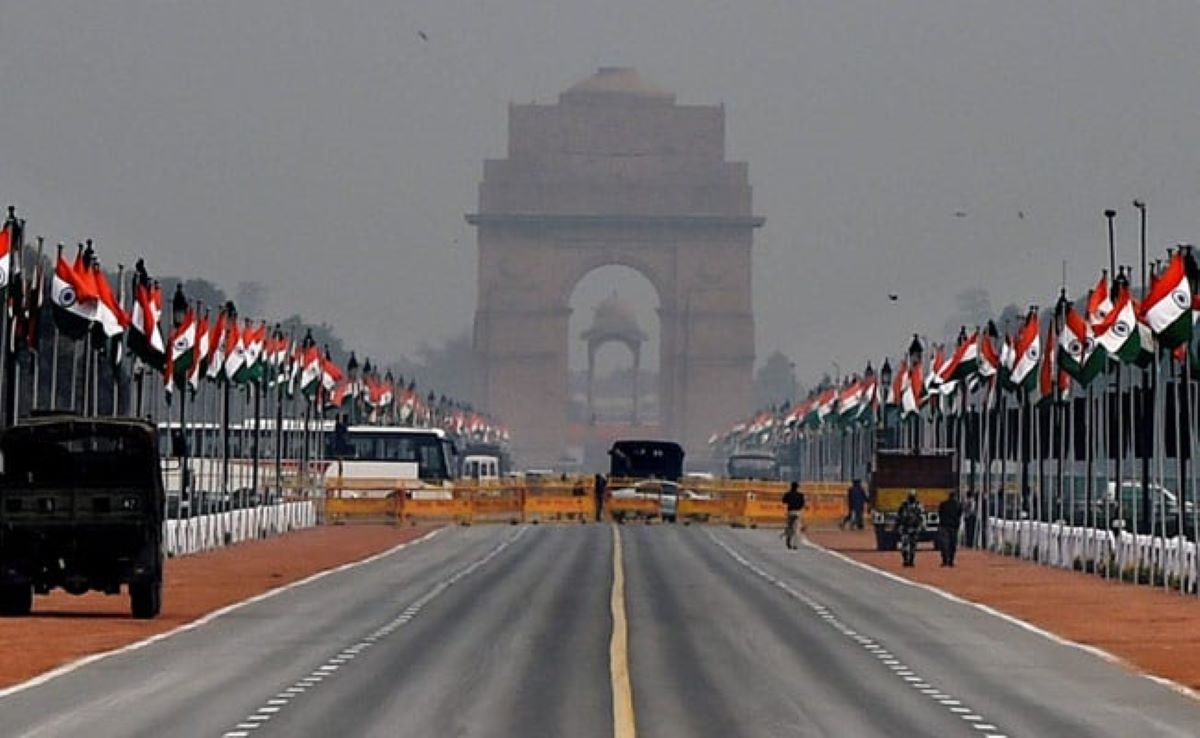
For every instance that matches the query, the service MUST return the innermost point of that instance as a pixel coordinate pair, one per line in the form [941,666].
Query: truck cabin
[82,454]
[637,459]
[752,466]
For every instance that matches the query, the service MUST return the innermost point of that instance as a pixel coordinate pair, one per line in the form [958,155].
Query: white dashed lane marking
[870,645]
[329,669]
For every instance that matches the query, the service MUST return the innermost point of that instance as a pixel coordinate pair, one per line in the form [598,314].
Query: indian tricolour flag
[181,353]
[1045,386]
[218,339]
[825,403]
[253,367]
[964,362]
[1168,307]
[988,358]
[1078,353]
[896,391]
[912,391]
[203,337]
[1122,334]
[848,402]
[1099,305]
[310,371]
[1027,353]
[235,352]
[1008,357]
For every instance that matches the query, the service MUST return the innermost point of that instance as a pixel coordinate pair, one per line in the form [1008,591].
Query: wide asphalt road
[509,631]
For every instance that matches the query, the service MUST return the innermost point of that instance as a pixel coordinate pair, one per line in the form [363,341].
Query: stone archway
[615,173]
[612,322]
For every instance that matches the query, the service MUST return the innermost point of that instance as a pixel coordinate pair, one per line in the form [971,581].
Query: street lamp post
[885,384]
[915,352]
[1145,420]
[179,306]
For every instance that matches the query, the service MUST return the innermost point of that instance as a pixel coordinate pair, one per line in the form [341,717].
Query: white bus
[376,461]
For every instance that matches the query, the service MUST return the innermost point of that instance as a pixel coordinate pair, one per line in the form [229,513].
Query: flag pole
[254,437]
[11,367]
[982,496]
[1195,500]
[1145,422]
[14,237]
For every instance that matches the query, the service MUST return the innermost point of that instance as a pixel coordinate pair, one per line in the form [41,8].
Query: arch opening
[614,348]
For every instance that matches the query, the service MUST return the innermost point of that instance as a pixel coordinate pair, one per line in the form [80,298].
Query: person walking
[949,515]
[599,484]
[856,498]
[793,500]
[910,520]
[970,518]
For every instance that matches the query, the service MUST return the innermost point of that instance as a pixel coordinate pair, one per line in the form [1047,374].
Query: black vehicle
[755,466]
[646,460]
[81,508]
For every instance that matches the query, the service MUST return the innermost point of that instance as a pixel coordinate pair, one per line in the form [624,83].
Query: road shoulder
[1149,630]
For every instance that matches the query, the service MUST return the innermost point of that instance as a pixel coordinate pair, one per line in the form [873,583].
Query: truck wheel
[16,600]
[145,599]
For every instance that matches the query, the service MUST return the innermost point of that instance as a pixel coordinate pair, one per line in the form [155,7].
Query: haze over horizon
[331,152]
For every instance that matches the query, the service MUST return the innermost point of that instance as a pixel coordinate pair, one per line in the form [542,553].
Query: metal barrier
[715,501]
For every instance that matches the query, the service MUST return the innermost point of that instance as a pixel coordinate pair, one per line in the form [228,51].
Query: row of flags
[208,344]
[1036,363]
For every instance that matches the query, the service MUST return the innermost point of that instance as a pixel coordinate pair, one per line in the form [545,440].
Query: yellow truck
[932,474]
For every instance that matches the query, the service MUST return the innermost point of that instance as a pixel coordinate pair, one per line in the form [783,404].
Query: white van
[481,468]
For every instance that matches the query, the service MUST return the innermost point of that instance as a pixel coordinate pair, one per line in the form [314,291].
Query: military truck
[932,474]
[81,508]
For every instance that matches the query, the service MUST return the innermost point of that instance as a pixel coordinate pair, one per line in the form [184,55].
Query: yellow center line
[624,725]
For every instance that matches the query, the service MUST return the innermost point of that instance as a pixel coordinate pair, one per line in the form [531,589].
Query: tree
[775,381]
[973,308]
[447,369]
[251,296]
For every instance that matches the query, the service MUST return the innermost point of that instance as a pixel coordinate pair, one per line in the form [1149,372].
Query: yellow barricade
[457,509]
[359,510]
[633,506]
[718,508]
[504,507]
[581,507]
[760,510]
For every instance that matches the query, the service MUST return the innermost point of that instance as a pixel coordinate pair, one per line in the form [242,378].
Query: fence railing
[1167,561]
[208,532]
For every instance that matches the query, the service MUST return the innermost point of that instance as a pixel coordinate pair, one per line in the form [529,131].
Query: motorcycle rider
[910,518]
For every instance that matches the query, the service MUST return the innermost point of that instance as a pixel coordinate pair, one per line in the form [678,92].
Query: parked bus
[376,461]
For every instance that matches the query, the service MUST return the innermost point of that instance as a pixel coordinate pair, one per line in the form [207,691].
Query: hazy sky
[328,151]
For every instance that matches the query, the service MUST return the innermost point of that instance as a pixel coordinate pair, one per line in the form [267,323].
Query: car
[664,492]
[1126,513]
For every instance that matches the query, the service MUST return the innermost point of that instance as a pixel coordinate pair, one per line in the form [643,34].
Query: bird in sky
[423,36]
[893,296]
[960,213]
[1021,214]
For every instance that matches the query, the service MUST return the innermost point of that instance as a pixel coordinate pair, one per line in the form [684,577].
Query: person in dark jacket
[856,499]
[949,517]
[599,485]
[793,500]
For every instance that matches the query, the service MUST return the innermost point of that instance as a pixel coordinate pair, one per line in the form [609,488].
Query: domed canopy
[613,321]
[622,81]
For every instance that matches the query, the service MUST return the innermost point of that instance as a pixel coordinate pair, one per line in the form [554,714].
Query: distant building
[614,173]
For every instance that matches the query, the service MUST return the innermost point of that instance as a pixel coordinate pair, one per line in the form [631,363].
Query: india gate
[615,173]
